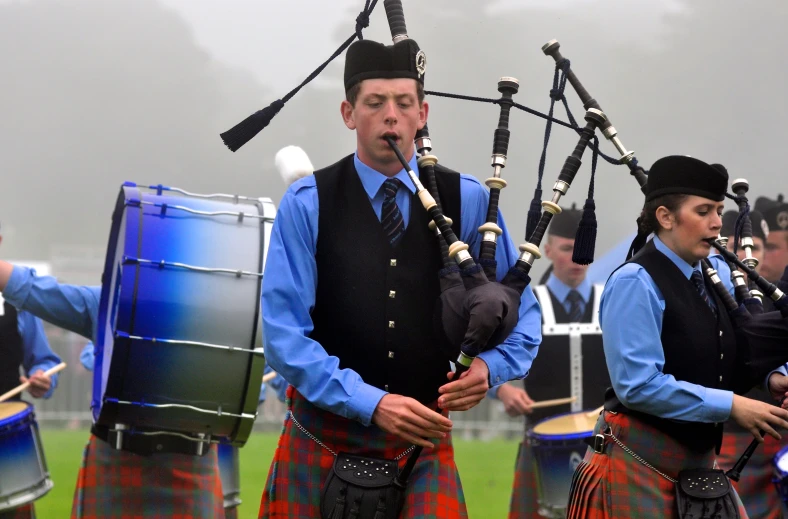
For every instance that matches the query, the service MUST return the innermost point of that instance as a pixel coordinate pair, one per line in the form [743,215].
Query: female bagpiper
[672,357]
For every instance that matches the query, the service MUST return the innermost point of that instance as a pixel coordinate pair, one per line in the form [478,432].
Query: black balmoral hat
[367,59]
[679,174]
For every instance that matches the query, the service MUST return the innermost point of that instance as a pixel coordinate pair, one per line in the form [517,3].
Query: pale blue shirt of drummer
[72,307]
[36,353]
[290,282]
[631,314]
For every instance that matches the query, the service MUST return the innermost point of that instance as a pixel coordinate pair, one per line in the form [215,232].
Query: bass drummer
[566,297]
[146,478]
[23,343]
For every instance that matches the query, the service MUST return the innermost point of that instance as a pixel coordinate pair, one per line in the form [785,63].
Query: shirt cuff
[497,366]
[363,403]
[493,392]
[782,370]
[717,405]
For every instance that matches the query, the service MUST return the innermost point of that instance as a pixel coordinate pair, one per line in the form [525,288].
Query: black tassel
[585,238]
[245,131]
[354,510]
[339,505]
[534,214]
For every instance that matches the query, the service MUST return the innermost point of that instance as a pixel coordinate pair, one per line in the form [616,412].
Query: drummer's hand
[410,420]
[469,390]
[516,401]
[778,387]
[756,416]
[40,383]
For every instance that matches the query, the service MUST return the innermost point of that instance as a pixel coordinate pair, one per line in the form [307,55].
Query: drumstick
[21,387]
[269,376]
[555,401]
[595,412]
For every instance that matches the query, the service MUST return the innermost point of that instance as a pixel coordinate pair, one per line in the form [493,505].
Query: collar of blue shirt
[685,267]
[560,290]
[372,179]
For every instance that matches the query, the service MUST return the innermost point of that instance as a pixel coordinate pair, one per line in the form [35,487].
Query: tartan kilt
[300,466]
[755,487]
[27,511]
[614,485]
[114,484]
[525,490]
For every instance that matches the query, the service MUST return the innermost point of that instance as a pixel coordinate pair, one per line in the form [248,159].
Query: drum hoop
[777,457]
[18,417]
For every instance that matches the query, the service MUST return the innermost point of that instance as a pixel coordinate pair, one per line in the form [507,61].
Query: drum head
[567,426]
[13,411]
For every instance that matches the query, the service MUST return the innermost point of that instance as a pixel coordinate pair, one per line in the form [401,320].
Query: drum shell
[166,381]
[24,476]
[556,456]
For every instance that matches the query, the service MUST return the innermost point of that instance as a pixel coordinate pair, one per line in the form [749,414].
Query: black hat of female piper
[775,212]
[565,223]
[760,229]
[679,174]
[367,59]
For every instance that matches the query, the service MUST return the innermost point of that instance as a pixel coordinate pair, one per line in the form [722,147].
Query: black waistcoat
[698,347]
[374,303]
[551,372]
[11,355]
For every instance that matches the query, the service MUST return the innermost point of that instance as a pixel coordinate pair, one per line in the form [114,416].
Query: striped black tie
[697,280]
[390,215]
[575,310]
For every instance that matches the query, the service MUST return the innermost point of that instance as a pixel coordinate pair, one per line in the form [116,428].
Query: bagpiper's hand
[516,401]
[778,387]
[468,390]
[756,416]
[410,420]
[40,383]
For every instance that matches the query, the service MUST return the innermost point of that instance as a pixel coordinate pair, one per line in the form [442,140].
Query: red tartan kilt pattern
[525,491]
[114,484]
[300,466]
[22,512]
[614,485]
[755,487]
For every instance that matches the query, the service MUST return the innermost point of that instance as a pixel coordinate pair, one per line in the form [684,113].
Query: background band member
[775,213]
[24,344]
[755,486]
[348,315]
[185,484]
[566,297]
[671,352]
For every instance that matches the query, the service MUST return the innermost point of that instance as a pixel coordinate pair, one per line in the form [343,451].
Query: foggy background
[96,92]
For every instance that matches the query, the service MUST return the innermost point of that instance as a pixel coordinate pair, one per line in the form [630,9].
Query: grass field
[486,469]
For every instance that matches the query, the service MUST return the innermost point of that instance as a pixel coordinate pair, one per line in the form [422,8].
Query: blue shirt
[72,307]
[560,290]
[290,283]
[631,314]
[36,353]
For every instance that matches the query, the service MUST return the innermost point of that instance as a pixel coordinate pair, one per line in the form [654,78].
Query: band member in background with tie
[775,213]
[348,312]
[755,486]
[566,297]
[672,356]
[112,482]
[24,344]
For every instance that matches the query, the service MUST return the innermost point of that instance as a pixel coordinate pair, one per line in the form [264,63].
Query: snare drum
[229,472]
[23,470]
[558,448]
[781,477]
[179,339]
